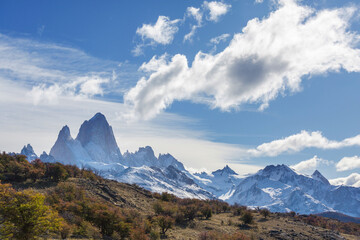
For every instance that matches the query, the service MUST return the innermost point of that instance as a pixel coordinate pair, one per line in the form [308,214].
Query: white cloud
[352,180]
[270,57]
[59,82]
[49,71]
[310,164]
[162,32]
[300,141]
[259,1]
[197,15]
[86,86]
[217,9]
[22,122]
[348,163]
[219,39]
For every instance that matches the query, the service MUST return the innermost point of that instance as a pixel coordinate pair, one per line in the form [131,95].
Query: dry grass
[275,226]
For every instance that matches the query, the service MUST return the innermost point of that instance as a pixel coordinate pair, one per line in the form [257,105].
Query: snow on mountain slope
[353,180]
[318,176]
[69,151]
[28,151]
[168,179]
[143,157]
[281,189]
[221,182]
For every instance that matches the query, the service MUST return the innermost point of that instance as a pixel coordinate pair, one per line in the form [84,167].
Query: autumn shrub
[265,212]
[206,212]
[238,210]
[247,217]
[24,214]
[164,223]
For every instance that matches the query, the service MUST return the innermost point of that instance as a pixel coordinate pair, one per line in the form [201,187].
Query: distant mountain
[145,157]
[281,189]
[221,182]
[278,188]
[28,151]
[168,179]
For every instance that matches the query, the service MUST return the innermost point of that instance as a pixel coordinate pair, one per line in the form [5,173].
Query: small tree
[24,214]
[265,212]
[206,212]
[247,217]
[165,223]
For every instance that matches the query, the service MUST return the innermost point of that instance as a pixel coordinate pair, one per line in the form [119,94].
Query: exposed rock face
[94,143]
[97,138]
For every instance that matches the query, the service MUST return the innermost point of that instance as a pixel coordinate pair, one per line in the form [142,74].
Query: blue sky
[246,83]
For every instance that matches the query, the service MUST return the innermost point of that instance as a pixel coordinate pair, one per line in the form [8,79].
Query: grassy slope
[276,226]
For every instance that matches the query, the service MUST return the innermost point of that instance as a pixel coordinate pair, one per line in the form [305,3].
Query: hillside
[276,187]
[91,207]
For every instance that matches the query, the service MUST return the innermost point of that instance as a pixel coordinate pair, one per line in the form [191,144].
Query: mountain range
[278,188]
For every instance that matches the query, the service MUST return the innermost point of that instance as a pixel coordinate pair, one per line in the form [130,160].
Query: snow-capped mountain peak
[166,160]
[28,151]
[97,137]
[225,171]
[281,173]
[64,134]
[318,176]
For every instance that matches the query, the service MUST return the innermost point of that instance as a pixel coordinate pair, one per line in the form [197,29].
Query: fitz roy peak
[94,143]
[278,188]
[97,138]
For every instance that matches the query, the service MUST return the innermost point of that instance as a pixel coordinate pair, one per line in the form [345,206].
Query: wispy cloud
[197,14]
[270,57]
[213,10]
[49,70]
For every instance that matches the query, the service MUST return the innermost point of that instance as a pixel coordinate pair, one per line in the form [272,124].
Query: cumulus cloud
[352,180]
[348,163]
[270,57]
[216,9]
[162,32]
[310,164]
[300,141]
[259,1]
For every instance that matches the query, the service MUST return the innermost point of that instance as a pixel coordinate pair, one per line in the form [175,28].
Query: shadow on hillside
[244,226]
[36,185]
